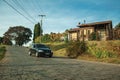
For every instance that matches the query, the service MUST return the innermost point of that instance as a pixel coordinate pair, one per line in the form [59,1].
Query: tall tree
[37,31]
[19,34]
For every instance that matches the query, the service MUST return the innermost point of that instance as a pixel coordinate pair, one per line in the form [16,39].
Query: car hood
[43,48]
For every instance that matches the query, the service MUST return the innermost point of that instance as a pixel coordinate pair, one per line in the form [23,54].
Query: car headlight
[40,50]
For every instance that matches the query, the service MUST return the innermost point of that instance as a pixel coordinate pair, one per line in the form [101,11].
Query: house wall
[85,32]
[103,30]
[73,36]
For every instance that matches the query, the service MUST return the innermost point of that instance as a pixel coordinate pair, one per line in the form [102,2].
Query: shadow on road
[60,57]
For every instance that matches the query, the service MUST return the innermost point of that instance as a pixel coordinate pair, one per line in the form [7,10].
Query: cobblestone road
[18,65]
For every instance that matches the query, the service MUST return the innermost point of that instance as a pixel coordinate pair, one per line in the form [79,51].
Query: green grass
[2,52]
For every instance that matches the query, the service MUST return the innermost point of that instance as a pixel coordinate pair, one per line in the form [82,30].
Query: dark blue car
[40,50]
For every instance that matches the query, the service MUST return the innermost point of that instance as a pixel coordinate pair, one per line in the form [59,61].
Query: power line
[41,8]
[37,7]
[15,1]
[17,11]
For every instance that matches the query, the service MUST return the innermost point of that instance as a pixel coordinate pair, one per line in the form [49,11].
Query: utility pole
[41,19]
[41,23]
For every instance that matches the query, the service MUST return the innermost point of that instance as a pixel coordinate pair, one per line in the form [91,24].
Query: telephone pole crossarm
[41,18]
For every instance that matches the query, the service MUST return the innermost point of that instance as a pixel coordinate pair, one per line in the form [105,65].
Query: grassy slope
[111,46]
[59,49]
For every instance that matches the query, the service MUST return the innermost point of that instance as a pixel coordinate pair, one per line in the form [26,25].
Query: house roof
[88,25]
[74,29]
[94,23]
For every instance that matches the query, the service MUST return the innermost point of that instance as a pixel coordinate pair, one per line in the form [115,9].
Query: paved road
[18,65]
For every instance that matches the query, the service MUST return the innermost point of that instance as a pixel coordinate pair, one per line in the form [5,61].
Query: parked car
[40,50]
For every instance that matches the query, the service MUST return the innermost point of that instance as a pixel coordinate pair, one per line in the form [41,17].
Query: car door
[33,48]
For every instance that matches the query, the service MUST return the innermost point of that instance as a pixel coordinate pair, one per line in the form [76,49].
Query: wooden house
[102,29]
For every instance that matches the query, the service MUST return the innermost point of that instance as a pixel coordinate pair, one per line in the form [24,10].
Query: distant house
[103,29]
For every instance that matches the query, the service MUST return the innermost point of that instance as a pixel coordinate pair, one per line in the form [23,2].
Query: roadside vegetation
[74,49]
[2,52]
[103,51]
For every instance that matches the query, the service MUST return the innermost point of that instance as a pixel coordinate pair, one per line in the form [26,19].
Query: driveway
[18,65]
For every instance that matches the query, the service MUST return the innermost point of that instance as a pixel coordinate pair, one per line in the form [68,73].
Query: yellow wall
[73,36]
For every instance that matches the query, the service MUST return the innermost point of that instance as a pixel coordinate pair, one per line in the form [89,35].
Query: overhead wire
[37,7]
[23,9]
[17,11]
[40,8]
[20,9]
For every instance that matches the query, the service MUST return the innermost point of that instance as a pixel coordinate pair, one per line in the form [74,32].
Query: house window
[88,32]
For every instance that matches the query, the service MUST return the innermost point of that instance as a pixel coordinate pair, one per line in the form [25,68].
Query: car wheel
[30,53]
[50,56]
[37,54]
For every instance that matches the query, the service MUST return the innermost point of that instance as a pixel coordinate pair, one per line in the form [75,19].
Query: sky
[60,14]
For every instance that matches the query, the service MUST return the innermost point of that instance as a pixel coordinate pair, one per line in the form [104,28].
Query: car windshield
[40,46]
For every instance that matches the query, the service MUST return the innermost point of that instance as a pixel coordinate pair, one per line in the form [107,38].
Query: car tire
[30,53]
[37,54]
[50,56]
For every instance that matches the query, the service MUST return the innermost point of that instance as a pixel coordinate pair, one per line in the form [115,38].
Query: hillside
[103,51]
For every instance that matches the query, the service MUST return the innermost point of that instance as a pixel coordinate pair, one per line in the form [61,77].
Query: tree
[19,34]
[37,31]
[46,38]
[118,25]
[1,40]
[56,36]
[37,40]
[6,41]
[66,36]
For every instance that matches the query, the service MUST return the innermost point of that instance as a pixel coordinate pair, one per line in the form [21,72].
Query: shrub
[75,49]
[94,36]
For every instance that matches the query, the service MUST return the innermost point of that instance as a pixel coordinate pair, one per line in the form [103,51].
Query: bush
[75,49]
[94,36]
